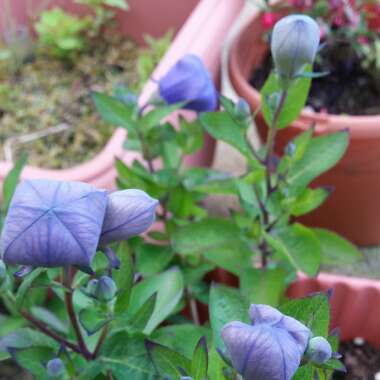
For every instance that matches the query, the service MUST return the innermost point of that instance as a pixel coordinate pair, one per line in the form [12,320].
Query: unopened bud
[91,287]
[55,368]
[295,42]
[106,289]
[318,350]
[242,109]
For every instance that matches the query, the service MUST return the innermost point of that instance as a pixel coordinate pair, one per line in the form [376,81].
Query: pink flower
[269,19]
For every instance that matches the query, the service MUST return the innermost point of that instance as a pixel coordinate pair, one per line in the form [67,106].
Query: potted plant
[99,170]
[352,209]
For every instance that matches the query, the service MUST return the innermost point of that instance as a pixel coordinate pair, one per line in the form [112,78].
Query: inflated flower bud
[189,81]
[319,350]
[53,223]
[106,289]
[242,109]
[295,42]
[129,213]
[55,368]
[269,349]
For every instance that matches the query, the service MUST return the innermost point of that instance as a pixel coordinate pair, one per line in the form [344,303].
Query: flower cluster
[52,223]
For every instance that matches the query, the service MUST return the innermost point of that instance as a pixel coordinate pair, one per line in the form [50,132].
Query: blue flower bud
[53,223]
[189,81]
[319,350]
[295,42]
[55,368]
[106,289]
[269,349]
[129,213]
[242,109]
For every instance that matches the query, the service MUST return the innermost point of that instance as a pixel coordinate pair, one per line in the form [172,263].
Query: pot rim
[359,126]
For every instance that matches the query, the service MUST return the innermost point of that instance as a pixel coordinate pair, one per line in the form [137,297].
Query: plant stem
[193,308]
[40,326]
[100,342]
[264,249]
[272,137]
[71,313]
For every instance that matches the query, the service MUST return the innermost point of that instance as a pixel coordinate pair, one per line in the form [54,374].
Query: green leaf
[190,135]
[222,126]
[234,257]
[335,249]
[169,288]
[301,142]
[263,286]
[181,338]
[216,368]
[205,235]
[313,312]
[308,201]
[321,154]
[49,318]
[126,356]
[294,103]
[299,246]
[139,321]
[123,279]
[304,372]
[93,320]
[158,114]
[26,285]
[26,338]
[11,181]
[169,363]
[121,4]
[152,258]
[114,111]
[226,305]
[199,363]
[33,359]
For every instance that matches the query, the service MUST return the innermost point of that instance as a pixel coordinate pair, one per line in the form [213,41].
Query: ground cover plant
[45,92]
[87,298]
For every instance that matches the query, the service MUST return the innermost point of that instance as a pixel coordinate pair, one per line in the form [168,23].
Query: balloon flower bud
[242,109]
[106,289]
[189,81]
[129,213]
[270,348]
[295,42]
[55,368]
[319,350]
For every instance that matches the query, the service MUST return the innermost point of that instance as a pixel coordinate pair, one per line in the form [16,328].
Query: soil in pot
[361,360]
[54,97]
[347,89]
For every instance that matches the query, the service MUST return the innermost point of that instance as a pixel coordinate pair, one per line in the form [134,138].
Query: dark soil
[348,89]
[361,360]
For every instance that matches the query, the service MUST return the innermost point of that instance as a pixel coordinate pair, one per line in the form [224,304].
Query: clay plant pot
[354,304]
[212,17]
[353,210]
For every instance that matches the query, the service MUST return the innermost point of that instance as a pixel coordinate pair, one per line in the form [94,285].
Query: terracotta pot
[354,304]
[153,17]
[353,210]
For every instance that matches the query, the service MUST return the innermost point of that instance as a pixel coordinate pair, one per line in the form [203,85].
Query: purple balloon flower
[189,81]
[52,223]
[129,213]
[269,349]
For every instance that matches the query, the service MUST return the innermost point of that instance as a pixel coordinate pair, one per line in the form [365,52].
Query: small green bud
[106,289]
[91,287]
[318,350]
[55,368]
